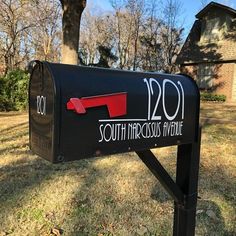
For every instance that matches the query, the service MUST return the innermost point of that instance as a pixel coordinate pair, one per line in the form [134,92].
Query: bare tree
[135,33]
[13,23]
[89,40]
[97,39]
[123,32]
[30,29]
[150,40]
[45,35]
[171,33]
[136,9]
[72,11]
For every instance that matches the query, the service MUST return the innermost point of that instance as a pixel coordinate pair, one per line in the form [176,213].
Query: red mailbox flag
[116,103]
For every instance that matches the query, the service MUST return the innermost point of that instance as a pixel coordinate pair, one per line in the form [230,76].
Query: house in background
[209,52]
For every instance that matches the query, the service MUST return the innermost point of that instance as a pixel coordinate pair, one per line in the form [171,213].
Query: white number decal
[154,117]
[162,92]
[41,105]
[163,99]
[182,90]
[149,97]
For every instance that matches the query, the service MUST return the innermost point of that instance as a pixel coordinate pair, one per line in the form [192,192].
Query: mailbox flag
[116,103]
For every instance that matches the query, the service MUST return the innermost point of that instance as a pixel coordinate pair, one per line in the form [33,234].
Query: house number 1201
[161,91]
[41,105]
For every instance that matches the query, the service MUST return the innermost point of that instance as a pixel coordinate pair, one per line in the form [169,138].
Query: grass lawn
[218,111]
[114,195]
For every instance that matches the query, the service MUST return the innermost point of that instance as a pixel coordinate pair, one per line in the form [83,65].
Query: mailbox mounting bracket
[184,190]
[162,175]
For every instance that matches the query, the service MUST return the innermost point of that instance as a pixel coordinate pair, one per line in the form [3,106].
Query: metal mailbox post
[80,112]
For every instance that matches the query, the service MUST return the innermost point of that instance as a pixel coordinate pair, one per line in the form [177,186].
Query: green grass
[114,195]
[218,111]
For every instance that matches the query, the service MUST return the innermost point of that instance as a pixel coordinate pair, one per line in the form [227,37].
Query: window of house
[205,76]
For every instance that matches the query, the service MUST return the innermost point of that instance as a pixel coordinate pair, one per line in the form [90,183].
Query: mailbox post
[184,191]
[80,112]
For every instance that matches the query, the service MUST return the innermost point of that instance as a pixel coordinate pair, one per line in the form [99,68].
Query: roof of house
[195,52]
[201,13]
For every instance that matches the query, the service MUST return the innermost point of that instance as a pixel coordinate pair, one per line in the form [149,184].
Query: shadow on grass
[13,133]
[216,182]
[13,149]
[18,177]
[209,220]
[20,134]
[21,180]
[220,183]
[107,209]
[215,121]
[222,186]
[19,171]
[10,114]
[123,212]
[115,207]
[11,128]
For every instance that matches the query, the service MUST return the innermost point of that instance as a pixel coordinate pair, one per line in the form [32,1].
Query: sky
[190,9]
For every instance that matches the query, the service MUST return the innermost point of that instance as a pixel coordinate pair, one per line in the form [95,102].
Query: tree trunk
[72,11]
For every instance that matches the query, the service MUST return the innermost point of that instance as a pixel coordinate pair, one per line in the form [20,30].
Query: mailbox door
[42,112]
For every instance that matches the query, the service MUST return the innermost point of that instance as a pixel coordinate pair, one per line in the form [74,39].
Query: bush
[14,91]
[212,97]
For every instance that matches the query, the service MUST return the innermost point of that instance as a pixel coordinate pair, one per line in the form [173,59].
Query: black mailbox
[79,112]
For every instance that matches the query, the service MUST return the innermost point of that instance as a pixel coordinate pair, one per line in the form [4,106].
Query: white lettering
[100,129]
[173,128]
[41,105]
[129,131]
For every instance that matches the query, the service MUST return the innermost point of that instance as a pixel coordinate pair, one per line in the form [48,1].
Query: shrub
[14,90]
[206,96]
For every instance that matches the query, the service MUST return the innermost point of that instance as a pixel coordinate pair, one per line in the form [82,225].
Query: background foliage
[207,96]
[14,90]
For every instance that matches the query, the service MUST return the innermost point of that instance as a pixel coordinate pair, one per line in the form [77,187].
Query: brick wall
[223,79]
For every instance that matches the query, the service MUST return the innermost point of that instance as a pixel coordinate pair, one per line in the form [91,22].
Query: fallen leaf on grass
[142,230]
[50,215]
[199,211]
[211,214]
[56,231]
